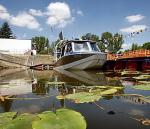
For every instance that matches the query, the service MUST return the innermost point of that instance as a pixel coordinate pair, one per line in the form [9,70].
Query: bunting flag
[132,34]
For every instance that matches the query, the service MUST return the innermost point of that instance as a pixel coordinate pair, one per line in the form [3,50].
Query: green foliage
[142,77]
[5,31]
[42,44]
[83,97]
[94,94]
[114,42]
[90,36]
[23,121]
[135,47]
[101,46]
[62,119]
[6,117]
[146,45]
[142,87]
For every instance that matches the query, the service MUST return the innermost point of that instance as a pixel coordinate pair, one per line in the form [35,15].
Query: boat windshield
[85,47]
[81,47]
[94,47]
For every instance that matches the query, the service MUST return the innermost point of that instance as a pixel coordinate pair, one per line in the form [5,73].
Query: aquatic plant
[94,93]
[142,77]
[61,119]
[6,117]
[142,87]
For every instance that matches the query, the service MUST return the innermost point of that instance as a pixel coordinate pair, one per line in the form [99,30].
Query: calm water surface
[31,93]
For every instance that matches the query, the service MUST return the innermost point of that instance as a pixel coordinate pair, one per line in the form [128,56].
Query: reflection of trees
[40,87]
[114,81]
[62,102]
[6,104]
[133,99]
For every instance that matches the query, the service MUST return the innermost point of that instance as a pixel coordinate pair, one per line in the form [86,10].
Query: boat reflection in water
[81,77]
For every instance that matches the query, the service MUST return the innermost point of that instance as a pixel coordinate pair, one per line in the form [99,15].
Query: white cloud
[126,46]
[35,12]
[134,28]
[24,19]
[4,15]
[135,18]
[79,12]
[59,14]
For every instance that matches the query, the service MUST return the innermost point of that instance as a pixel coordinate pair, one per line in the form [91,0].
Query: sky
[29,18]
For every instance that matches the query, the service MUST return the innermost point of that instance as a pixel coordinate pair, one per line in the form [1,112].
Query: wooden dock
[132,60]
[129,55]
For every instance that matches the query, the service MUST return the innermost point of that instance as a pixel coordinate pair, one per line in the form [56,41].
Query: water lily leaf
[142,87]
[145,99]
[144,82]
[62,119]
[109,91]
[110,87]
[141,77]
[144,121]
[55,83]
[6,117]
[83,97]
[23,121]
[130,72]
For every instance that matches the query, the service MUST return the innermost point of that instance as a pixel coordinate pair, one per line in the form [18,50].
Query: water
[31,93]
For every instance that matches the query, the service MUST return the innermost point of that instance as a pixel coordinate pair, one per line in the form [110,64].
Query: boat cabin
[77,47]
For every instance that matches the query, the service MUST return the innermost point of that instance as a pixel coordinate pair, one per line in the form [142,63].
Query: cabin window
[69,48]
[81,47]
[94,47]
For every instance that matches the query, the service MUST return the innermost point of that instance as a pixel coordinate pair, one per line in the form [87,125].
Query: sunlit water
[31,93]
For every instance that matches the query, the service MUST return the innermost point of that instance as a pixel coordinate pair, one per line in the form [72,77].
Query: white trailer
[15,46]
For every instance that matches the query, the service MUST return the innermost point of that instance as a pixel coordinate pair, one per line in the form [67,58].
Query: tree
[90,36]
[146,45]
[5,31]
[112,43]
[134,47]
[42,44]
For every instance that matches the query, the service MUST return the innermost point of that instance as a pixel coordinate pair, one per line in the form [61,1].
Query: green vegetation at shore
[107,42]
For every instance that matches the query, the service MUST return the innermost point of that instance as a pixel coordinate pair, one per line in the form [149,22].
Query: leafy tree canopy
[90,36]
[42,44]
[146,45]
[112,43]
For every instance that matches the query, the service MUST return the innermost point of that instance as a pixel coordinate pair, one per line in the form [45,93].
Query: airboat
[79,55]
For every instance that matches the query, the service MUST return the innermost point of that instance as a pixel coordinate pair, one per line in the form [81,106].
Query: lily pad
[130,72]
[83,97]
[144,82]
[62,119]
[6,117]
[109,91]
[55,83]
[142,77]
[142,87]
[23,121]
[145,99]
